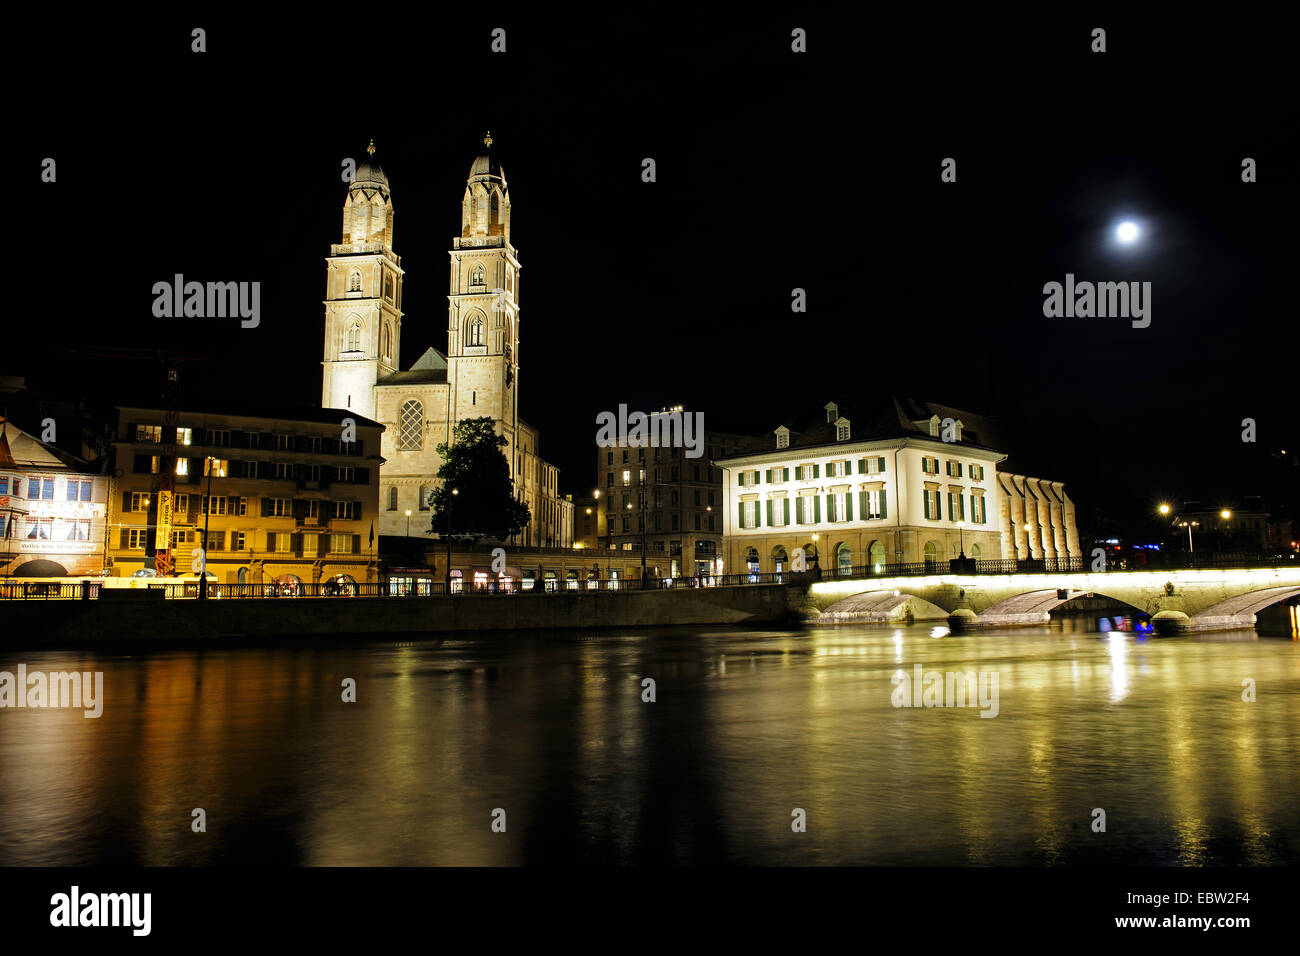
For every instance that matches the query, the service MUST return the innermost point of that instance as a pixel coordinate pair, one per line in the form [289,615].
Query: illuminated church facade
[477,376]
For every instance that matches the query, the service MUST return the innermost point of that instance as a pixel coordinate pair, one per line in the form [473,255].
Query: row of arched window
[842,555]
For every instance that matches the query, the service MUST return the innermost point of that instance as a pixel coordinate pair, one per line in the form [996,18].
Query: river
[549,736]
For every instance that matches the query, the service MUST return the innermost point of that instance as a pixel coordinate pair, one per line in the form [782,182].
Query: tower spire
[371,148]
[487,140]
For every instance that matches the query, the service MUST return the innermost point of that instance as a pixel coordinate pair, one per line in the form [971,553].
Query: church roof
[429,369]
[414,377]
[485,165]
[369,172]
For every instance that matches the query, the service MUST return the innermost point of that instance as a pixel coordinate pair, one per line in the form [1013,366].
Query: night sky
[775,171]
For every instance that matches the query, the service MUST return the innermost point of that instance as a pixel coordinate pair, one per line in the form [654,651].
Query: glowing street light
[408,522]
[1164,509]
[1127,232]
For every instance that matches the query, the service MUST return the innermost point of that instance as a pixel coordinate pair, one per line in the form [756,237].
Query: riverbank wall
[146,617]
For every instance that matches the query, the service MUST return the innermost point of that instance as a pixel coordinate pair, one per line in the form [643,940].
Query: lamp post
[408,522]
[961,541]
[207,521]
[454,492]
[1189,525]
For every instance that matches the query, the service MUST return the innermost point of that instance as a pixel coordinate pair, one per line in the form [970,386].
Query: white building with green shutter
[886,489]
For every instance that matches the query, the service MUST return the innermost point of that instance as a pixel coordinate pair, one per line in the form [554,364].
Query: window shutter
[958,469]
[862,466]
[864,504]
[356,544]
[769,476]
[740,479]
[758,515]
[299,508]
[817,471]
[296,544]
[741,516]
[123,542]
[322,545]
[848,507]
[830,507]
[357,511]
[938,506]
[769,510]
[798,512]
[884,512]
[785,474]
[266,507]
[817,508]
[363,476]
[196,467]
[126,503]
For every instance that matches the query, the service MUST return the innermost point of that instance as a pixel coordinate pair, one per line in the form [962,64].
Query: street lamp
[408,522]
[207,521]
[454,492]
[961,542]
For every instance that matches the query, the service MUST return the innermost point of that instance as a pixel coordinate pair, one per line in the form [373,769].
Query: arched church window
[354,283]
[386,347]
[352,339]
[410,435]
[426,497]
[388,288]
[475,336]
[478,275]
[392,499]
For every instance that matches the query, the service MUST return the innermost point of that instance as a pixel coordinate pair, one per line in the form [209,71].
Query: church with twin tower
[477,375]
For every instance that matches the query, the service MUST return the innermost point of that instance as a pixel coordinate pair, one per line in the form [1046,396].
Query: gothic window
[478,276]
[386,347]
[475,336]
[411,426]
[352,338]
[392,499]
[354,284]
[426,497]
[388,287]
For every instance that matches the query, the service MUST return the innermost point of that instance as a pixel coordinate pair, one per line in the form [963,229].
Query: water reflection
[745,726]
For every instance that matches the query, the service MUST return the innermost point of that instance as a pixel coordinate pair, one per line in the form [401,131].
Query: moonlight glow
[1127,232]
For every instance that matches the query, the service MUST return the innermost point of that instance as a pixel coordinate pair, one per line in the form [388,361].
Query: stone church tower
[482,309]
[363,296]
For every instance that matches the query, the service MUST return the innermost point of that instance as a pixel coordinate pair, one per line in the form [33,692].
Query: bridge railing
[1073,564]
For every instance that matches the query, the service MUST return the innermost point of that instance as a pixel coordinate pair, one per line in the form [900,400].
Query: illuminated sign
[163,535]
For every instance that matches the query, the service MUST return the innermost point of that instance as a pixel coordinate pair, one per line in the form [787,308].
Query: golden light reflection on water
[745,728]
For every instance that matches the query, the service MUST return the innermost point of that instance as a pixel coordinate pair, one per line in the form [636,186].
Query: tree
[474,465]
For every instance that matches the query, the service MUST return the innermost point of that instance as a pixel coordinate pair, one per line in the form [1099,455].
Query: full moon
[1127,232]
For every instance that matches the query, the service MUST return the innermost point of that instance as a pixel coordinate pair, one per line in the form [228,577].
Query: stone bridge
[1177,601]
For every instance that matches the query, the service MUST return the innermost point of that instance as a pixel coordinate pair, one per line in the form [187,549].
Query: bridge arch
[881,607]
[1036,607]
[1240,610]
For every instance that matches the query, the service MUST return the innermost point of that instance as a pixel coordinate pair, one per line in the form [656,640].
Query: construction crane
[164,491]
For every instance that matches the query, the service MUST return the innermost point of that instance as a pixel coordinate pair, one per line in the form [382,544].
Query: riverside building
[885,487]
